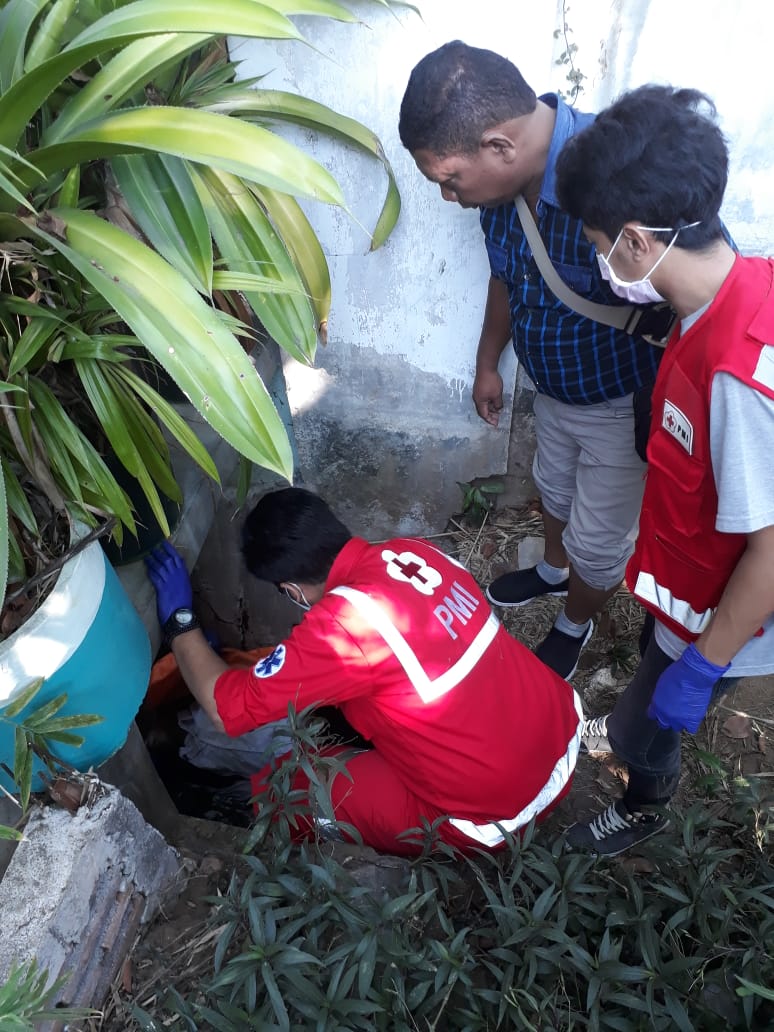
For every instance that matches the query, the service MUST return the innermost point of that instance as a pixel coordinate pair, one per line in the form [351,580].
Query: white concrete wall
[384,422]
[721,48]
[429,279]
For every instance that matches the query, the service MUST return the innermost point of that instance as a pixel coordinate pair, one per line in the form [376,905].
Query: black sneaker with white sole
[521,586]
[617,829]
[562,651]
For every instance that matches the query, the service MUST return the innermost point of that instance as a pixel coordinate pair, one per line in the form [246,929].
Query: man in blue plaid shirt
[474,127]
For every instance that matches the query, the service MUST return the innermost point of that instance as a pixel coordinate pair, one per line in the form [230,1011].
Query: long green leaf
[57,724]
[4,533]
[45,712]
[24,698]
[71,189]
[133,436]
[74,459]
[146,435]
[102,346]
[303,246]
[22,768]
[16,19]
[245,150]
[280,106]
[65,738]
[748,988]
[17,568]
[172,420]
[141,61]
[137,20]
[165,205]
[35,336]
[149,17]
[324,8]
[248,242]
[17,500]
[245,281]
[57,432]
[11,183]
[180,331]
[133,67]
[50,35]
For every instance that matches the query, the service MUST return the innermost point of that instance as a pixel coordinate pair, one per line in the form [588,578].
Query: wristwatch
[179,622]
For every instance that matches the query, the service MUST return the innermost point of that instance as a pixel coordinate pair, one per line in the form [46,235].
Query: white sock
[564,624]
[552,574]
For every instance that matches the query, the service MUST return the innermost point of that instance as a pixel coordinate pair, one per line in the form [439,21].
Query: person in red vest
[647,180]
[464,722]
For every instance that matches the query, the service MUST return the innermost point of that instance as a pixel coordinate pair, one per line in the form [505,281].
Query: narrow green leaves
[209,139]
[16,19]
[280,106]
[4,534]
[165,205]
[24,698]
[301,242]
[248,243]
[130,69]
[50,35]
[179,329]
[23,95]
[149,17]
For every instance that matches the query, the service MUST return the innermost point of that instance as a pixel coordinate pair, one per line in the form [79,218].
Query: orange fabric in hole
[166,682]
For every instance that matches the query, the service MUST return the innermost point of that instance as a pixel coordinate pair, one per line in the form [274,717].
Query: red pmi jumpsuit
[465,722]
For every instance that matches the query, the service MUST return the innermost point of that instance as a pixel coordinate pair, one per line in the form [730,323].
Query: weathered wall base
[386,442]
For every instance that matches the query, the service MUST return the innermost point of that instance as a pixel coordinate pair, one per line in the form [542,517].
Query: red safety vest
[681,563]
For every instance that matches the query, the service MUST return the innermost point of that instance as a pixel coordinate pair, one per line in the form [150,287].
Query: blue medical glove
[684,690]
[169,577]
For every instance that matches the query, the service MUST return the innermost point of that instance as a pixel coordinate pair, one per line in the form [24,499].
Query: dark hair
[455,94]
[655,156]
[292,535]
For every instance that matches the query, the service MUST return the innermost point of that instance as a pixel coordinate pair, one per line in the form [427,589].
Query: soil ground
[739,731]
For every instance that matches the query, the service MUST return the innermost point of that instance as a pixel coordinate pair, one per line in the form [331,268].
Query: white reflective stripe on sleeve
[648,589]
[427,689]
[491,835]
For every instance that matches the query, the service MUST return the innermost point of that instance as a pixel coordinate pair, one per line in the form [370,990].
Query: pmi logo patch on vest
[678,425]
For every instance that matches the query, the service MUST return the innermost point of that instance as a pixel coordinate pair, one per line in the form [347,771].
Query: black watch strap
[180,622]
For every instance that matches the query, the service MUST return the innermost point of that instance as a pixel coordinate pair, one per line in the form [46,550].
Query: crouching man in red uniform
[647,180]
[464,722]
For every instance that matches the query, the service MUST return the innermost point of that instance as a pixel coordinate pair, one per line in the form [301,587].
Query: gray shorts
[591,478]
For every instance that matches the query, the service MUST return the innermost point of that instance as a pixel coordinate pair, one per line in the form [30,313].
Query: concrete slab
[531,551]
[78,887]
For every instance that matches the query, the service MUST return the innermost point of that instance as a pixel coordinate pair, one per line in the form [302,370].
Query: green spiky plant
[537,938]
[142,197]
[27,998]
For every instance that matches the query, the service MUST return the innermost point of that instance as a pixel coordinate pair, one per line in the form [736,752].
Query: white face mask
[641,291]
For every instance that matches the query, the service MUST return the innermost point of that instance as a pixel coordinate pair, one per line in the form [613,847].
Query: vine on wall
[574,76]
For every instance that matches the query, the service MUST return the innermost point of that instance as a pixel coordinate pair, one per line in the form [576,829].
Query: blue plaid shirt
[567,356]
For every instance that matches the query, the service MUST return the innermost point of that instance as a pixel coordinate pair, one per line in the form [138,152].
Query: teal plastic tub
[87,641]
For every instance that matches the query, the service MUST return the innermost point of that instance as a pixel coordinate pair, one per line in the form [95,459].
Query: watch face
[183,617]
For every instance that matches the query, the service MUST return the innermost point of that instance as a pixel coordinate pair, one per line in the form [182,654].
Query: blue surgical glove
[169,577]
[684,690]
